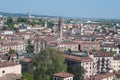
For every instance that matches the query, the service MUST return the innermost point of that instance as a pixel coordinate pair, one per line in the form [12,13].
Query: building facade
[9,67]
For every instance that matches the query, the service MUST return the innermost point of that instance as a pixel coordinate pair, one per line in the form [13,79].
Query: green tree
[47,62]
[9,20]
[50,24]
[93,50]
[20,19]
[39,22]
[11,26]
[11,51]
[29,47]
[69,50]
[31,23]
[26,76]
[77,70]
[102,49]
[42,23]
[112,52]
[10,23]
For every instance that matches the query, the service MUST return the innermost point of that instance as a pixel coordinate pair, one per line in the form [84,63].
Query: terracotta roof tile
[101,54]
[49,39]
[63,74]
[10,76]
[78,59]
[89,42]
[13,55]
[7,64]
[68,42]
[117,58]
[100,76]
[26,60]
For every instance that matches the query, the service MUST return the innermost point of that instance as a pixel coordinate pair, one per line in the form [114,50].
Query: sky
[67,8]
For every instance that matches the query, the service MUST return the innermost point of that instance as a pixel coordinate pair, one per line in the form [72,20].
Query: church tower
[29,14]
[45,24]
[60,28]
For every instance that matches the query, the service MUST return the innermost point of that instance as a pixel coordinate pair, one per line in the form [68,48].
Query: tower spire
[59,23]
[60,28]
[61,33]
[45,24]
[29,14]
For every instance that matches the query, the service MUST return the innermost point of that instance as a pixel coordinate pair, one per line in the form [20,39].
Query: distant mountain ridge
[21,15]
[7,14]
[13,14]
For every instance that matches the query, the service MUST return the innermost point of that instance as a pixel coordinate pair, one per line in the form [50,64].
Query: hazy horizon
[67,8]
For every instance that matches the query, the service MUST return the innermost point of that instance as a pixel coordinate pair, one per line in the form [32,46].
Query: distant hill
[13,14]
[21,15]
[83,19]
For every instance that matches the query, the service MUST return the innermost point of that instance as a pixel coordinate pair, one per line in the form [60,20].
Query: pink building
[64,46]
[89,45]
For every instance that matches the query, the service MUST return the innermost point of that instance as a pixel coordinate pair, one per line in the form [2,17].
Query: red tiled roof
[100,76]
[68,42]
[78,59]
[116,58]
[89,42]
[110,46]
[63,74]
[5,57]
[102,54]
[26,60]
[13,55]
[7,64]
[117,73]
[10,76]
[49,39]
[23,33]
[12,43]
[45,30]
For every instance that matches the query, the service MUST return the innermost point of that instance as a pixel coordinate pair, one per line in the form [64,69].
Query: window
[94,46]
[55,78]
[86,47]
[110,77]
[3,71]
[90,67]
[90,63]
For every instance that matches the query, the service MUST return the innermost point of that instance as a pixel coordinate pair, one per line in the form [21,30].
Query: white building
[116,64]
[8,32]
[85,61]
[103,61]
[9,67]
